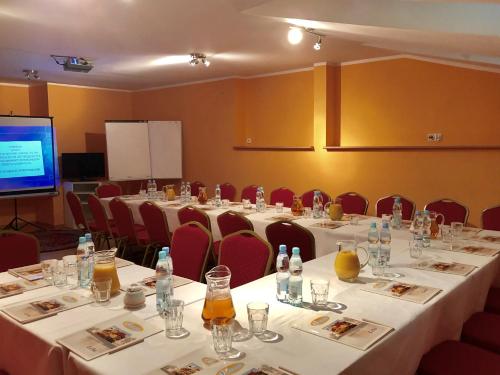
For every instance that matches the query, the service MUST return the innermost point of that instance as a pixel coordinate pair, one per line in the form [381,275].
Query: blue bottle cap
[166,250]
[397,199]
[385,225]
[417,212]
[373,225]
[295,250]
[282,249]
[88,236]
[425,212]
[82,240]
[162,255]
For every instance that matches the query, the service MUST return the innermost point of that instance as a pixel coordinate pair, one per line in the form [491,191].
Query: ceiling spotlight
[196,58]
[206,62]
[30,74]
[295,35]
[317,45]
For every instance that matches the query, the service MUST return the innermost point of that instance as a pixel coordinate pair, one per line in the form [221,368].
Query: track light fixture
[197,58]
[296,33]
[31,74]
[317,45]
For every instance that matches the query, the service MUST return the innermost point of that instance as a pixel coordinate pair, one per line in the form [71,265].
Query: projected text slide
[21,159]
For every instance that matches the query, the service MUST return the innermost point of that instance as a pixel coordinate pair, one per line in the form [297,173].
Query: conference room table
[32,347]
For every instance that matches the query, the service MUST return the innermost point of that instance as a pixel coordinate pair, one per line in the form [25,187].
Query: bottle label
[295,289]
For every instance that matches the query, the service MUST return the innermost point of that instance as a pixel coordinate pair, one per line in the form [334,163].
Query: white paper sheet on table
[402,290]
[31,272]
[20,286]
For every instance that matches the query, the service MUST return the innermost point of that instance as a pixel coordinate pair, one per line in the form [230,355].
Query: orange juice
[217,308]
[347,265]
[105,270]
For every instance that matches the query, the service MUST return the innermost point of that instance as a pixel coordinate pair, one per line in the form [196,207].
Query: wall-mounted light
[31,74]
[197,58]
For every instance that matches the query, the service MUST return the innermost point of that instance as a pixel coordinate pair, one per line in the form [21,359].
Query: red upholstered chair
[2,372]
[155,221]
[490,218]
[247,255]
[307,198]
[284,195]
[108,190]
[106,229]
[493,301]
[451,210]
[353,203]
[190,213]
[249,192]
[195,187]
[76,209]
[230,222]
[18,249]
[291,234]
[130,235]
[458,358]
[482,329]
[228,191]
[191,245]
[384,206]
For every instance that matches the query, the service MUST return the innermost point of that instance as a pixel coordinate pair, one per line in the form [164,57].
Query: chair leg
[144,258]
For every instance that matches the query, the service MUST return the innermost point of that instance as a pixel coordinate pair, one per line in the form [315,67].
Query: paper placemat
[443,267]
[40,308]
[477,250]
[283,217]
[360,334]
[404,291]
[149,284]
[492,239]
[20,286]
[108,337]
[31,272]
[328,225]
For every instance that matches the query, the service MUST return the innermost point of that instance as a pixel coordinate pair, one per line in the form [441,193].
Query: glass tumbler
[257,317]
[222,335]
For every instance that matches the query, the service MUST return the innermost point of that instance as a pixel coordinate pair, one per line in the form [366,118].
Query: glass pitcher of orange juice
[435,224]
[334,210]
[169,192]
[218,300]
[348,263]
[104,267]
[202,195]
[297,207]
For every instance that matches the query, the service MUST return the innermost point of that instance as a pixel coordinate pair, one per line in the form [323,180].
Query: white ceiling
[241,37]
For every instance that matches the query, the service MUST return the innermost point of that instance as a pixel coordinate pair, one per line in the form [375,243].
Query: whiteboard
[144,149]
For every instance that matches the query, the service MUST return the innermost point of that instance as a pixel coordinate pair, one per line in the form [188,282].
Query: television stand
[14,223]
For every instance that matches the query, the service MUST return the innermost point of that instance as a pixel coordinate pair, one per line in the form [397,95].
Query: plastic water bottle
[295,280]
[154,187]
[218,196]
[183,192]
[418,227]
[317,205]
[384,255]
[188,192]
[260,203]
[282,274]
[89,243]
[164,285]
[397,213]
[426,229]
[385,241]
[373,244]
[82,262]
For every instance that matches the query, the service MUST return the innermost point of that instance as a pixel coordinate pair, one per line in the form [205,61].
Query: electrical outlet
[434,137]
[249,140]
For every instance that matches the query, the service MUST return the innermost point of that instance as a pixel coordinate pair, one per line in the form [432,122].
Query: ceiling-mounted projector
[74,64]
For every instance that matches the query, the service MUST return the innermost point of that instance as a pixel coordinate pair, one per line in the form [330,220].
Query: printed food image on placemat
[48,306]
[398,289]
[326,224]
[112,335]
[190,368]
[340,327]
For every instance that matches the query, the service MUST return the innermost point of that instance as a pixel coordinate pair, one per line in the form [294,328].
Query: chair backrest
[450,209]
[291,234]
[384,206]
[195,187]
[18,249]
[155,221]
[249,192]
[231,222]
[108,190]
[122,214]
[99,214]
[190,213]
[490,218]
[191,244]
[247,255]
[228,191]
[308,196]
[76,209]
[353,203]
[284,195]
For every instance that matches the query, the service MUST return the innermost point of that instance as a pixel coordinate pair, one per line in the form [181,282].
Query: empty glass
[257,317]
[415,248]
[379,264]
[101,288]
[48,267]
[307,212]
[319,291]
[173,314]
[71,268]
[457,228]
[225,203]
[246,203]
[222,335]
[279,207]
[59,275]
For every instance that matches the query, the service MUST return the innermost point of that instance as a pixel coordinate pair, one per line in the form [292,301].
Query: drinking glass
[415,248]
[173,314]
[225,203]
[387,218]
[59,275]
[457,228]
[257,317]
[319,291]
[222,335]
[101,288]
[354,220]
[48,267]
[246,203]
[378,265]
[307,212]
[142,193]
[71,269]
[279,207]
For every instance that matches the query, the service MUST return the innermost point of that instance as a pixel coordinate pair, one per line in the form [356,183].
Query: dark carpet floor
[57,239]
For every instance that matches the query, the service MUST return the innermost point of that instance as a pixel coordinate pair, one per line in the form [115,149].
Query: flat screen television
[83,166]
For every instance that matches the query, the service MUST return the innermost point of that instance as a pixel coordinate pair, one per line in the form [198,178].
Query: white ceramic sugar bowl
[134,298]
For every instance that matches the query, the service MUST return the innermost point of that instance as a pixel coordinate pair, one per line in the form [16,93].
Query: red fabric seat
[283,195]
[249,192]
[18,249]
[308,196]
[458,358]
[190,213]
[493,301]
[353,203]
[291,234]
[155,223]
[108,190]
[247,255]
[483,329]
[230,222]
[2,372]
[191,245]
[450,209]
[384,206]
[490,218]
[228,191]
